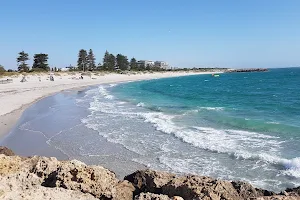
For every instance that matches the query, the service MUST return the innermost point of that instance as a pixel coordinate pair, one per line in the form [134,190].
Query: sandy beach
[15,97]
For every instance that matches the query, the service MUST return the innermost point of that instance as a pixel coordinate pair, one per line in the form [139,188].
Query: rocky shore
[47,178]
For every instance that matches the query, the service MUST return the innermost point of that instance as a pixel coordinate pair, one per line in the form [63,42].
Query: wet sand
[51,127]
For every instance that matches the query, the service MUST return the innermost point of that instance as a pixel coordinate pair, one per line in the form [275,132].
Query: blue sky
[191,33]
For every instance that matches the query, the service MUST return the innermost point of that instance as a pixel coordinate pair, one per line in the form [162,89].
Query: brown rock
[149,180]
[6,151]
[151,196]
[192,187]
[124,190]
[280,197]
[246,190]
[47,178]
[75,175]
[177,198]
[9,165]
[16,182]
[294,190]
[70,175]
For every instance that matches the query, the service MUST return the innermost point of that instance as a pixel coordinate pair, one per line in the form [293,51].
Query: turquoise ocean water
[239,126]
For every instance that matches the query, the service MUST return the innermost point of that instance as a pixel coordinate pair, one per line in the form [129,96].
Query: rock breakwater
[47,178]
[247,70]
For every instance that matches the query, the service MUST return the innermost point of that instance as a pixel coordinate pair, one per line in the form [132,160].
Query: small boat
[215,75]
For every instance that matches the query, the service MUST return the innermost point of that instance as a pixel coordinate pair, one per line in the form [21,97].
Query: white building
[145,63]
[162,64]
[64,69]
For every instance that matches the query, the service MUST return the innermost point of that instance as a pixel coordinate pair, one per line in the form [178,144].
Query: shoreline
[17,104]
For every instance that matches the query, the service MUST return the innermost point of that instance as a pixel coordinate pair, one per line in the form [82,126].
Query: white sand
[16,96]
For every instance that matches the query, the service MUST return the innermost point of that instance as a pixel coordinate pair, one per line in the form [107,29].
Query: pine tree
[106,60]
[122,62]
[82,60]
[41,61]
[112,62]
[21,60]
[133,64]
[91,61]
[109,61]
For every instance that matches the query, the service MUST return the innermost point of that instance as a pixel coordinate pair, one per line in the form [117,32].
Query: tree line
[86,62]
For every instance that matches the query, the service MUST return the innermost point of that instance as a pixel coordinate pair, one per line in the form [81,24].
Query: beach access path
[15,97]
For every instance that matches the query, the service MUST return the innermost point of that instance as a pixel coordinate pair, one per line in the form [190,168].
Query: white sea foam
[141,104]
[203,108]
[240,144]
[79,100]
[160,121]
[211,108]
[113,85]
[273,123]
[292,167]
[102,90]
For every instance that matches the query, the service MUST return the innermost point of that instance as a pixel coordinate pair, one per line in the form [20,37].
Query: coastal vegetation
[22,62]
[2,70]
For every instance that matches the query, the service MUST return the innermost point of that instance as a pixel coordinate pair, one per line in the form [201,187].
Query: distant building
[65,69]
[145,63]
[70,67]
[162,64]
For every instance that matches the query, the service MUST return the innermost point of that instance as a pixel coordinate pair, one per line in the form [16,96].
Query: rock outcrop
[48,175]
[151,196]
[192,187]
[6,151]
[47,178]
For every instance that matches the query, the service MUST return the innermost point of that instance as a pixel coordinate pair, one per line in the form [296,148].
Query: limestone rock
[280,197]
[246,190]
[47,178]
[9,164]
[149,180]
[74,175]
[6,151]
[151,196]
[51,173]
[293,190]
[191,187]
[177,198]
[124,190]
[16,182]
